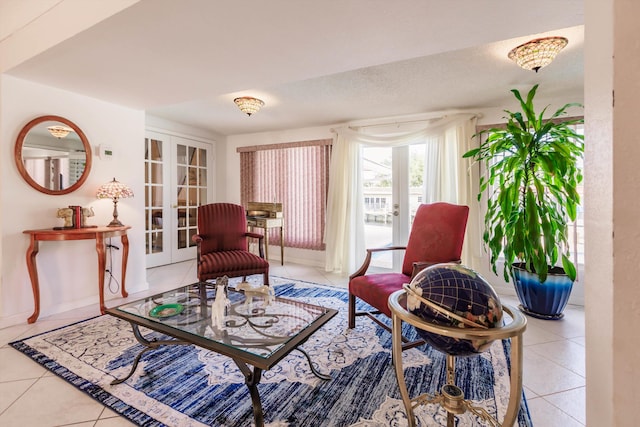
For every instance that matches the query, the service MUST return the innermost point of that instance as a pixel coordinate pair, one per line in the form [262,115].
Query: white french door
[178,179]
[393,188]
[190,186]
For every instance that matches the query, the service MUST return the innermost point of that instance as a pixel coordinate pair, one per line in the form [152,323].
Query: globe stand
[451,397]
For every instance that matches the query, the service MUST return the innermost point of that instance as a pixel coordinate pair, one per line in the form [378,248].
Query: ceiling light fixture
[59,131]
[249,105]
[537,53]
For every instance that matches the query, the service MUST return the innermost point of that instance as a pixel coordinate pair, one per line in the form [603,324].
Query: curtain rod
[398,123]
[429,120]
[282,145]
[503,125]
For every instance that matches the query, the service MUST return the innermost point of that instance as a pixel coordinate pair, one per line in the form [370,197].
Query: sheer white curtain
[448,178]
[433,167]
[343,208]
[344,236]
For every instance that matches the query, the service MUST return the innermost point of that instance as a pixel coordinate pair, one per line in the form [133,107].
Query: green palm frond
[532,173]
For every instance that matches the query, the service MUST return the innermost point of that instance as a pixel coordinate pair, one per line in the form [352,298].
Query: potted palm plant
[531,179]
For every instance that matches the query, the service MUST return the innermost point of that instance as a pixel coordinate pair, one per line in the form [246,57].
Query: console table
[99,234]
[265,216]
[265,224]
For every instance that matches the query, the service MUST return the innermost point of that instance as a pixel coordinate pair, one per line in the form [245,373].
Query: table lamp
[114,190]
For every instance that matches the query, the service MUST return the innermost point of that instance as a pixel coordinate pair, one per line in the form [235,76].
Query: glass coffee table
[258,330]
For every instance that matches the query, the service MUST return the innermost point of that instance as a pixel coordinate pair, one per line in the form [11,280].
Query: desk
[98,234]
[266,224]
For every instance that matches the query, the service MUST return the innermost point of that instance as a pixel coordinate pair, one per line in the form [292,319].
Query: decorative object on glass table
[250,292]
[221,304]
[166,310]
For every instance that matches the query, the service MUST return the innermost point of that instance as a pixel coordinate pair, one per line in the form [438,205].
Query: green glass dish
[166,310]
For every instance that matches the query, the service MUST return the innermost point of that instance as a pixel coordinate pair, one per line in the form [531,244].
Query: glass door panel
[191,190]
[393,188]
[377,180]
[417,157]
[156,211]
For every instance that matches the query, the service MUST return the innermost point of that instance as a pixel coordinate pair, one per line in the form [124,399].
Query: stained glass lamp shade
[114,190]
[537,53]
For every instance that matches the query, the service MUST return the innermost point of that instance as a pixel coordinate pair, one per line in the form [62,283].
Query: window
[576,231]
[296,175]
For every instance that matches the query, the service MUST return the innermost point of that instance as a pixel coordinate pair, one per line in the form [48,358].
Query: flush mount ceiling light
[249,105]
[59,131]
[537,53]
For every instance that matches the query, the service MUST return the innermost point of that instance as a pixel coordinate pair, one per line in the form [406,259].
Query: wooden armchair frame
[242,262]
[417,267]
[437,236]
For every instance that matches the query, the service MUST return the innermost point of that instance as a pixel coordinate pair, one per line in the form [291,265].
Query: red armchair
[222,244]
[436,236]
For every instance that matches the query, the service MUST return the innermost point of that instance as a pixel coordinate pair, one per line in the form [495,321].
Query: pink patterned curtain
[296,175]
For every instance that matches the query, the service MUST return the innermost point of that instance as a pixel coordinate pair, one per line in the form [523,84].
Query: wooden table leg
[102,265]
[125,256]
[32,251]
[282,245]
[266,243]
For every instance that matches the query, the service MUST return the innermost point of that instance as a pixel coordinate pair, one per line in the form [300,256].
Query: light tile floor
[30,396]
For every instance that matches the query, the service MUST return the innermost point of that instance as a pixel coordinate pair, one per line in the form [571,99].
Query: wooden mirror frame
[20,164]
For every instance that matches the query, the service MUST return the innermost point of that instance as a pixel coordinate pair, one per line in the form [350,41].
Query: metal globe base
[451,397]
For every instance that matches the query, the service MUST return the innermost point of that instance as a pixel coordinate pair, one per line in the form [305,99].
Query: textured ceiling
[312,62]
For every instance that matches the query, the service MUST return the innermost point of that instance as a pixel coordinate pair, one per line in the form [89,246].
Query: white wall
[67,270]
[612,64]
[22,24]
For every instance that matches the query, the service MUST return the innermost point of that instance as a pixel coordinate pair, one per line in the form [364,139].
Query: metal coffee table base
[251,377]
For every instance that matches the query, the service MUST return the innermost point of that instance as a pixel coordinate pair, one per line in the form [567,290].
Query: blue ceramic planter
[544,301]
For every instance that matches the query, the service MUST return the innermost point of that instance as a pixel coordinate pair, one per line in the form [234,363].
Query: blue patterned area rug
[188,386]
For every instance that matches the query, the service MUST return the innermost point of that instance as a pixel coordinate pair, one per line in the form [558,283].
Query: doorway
[393,188]
[178,179]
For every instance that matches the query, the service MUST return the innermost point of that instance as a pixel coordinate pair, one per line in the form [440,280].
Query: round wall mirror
[53,155]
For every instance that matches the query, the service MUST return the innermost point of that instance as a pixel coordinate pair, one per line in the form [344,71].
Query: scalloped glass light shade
[59,131]
[249,105]
[114,190]
[537,53]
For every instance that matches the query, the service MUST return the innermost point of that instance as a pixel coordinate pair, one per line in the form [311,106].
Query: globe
[456,296]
